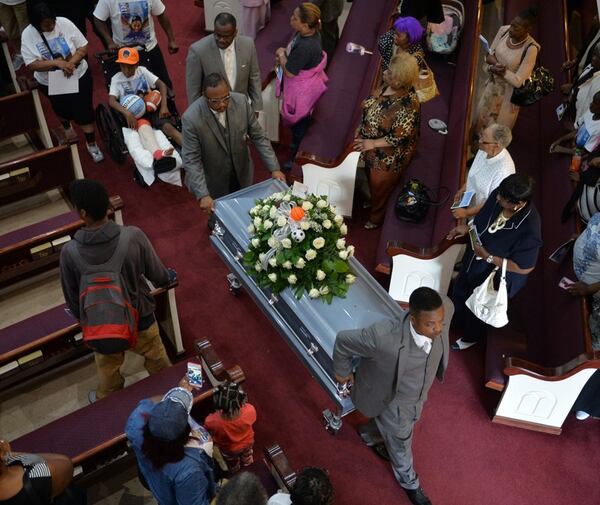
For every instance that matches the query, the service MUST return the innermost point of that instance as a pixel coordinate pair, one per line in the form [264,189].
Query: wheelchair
[109,122]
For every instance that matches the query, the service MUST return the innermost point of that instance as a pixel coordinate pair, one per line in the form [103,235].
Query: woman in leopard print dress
[388,132]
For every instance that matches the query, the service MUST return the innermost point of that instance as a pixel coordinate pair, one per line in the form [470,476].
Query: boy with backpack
[102,272]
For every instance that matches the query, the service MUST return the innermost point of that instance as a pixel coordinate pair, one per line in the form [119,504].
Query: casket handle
[218,230]
[312,349]
[239,256]
[273,300]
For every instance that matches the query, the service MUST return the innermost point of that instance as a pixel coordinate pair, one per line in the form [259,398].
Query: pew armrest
[213,366]
[280,467]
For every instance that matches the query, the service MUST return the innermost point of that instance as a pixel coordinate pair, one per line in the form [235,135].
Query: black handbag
[539,84]
[414,201]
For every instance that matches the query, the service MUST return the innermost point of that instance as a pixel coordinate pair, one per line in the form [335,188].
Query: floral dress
[396,118]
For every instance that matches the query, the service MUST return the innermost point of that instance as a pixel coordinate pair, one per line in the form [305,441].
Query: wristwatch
[490,259]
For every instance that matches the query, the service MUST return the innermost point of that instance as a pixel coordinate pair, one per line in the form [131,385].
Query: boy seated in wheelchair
[134,79]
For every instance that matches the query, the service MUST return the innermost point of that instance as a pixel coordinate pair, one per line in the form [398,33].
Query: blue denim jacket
[189,481]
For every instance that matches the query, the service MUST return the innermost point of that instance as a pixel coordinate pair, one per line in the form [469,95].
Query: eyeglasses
[218,101]
[487,143]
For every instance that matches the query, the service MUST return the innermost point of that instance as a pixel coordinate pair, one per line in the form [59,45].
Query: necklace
[499,223]
[514,45]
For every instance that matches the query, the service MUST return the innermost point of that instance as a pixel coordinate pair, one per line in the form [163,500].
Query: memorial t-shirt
[588,132]
[64,40]
[305,53]
[131,20]
[141,81]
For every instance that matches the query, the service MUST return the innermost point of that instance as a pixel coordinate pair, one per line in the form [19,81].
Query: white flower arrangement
[299,243]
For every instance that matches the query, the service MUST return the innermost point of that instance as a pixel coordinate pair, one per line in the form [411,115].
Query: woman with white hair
[492,164]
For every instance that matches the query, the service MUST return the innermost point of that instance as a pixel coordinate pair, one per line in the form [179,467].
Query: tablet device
[465,201]
[474,236]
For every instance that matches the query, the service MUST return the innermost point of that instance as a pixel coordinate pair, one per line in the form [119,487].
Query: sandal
[369,225]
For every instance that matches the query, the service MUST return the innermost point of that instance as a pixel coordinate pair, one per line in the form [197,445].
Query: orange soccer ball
[297,213]
[152,99]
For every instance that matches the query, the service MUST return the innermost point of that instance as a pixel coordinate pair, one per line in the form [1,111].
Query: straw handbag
[489,305]
[425,86]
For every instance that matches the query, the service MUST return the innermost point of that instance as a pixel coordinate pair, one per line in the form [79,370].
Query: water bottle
[576,161]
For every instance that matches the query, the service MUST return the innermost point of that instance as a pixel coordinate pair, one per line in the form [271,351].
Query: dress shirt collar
[424,343]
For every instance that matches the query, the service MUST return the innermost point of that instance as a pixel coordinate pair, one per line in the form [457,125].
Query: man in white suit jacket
[228,54]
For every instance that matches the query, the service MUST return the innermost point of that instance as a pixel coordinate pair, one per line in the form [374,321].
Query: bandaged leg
[163,161]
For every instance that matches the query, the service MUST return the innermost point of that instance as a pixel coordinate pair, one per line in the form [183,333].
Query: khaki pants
[149,345]
[14,20]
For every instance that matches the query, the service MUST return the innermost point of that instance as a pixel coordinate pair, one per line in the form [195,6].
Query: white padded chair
[411,270]
[337,183]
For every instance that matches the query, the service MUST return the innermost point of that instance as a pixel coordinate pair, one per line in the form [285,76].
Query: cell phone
[565,282]
[465,201]
[194,374]
[474,236]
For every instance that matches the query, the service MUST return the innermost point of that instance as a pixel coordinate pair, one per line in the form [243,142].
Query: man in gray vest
[216,157]
[399,359]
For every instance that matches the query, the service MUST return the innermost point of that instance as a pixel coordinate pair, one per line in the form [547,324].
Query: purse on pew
[489,305]
[425,86]
[414,201]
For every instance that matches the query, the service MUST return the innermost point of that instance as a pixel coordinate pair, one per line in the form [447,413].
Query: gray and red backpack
[109,322]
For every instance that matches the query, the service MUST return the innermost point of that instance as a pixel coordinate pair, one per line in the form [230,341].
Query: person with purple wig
[406,35]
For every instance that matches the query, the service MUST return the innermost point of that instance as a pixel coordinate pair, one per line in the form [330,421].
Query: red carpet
[461,456]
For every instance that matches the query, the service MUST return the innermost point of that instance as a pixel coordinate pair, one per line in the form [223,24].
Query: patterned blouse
[395,118]
[386,48]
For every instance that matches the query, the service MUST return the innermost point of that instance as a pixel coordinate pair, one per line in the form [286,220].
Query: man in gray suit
[216,157]
[226,53]
[399,359]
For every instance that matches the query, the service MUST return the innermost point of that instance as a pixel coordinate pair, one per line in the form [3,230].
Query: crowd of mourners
[175,455]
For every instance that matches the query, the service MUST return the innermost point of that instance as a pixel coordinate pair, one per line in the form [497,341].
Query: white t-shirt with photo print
[131,20]
[141,81]
[64,40]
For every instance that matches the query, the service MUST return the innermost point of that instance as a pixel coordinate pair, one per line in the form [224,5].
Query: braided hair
[229,398]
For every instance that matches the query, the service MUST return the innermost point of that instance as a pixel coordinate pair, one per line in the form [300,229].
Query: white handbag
[488,304]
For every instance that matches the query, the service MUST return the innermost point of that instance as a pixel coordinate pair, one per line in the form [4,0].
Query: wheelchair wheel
[111,134]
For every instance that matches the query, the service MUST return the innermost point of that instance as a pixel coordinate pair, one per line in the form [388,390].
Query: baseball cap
[128,55]
[169,417]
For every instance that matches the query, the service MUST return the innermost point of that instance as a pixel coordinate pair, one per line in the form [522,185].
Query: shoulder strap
[47,45]
[524,53]
[114,264]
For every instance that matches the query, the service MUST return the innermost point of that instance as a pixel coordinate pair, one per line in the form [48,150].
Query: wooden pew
[39,172]
[440,160]
[22,114]
[279,466]
[93,436]
[36,248]
[53,337]
[542,359]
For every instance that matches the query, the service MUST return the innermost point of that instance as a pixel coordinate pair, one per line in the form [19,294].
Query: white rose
[272,242]
[343,229]
[306,205]
[338,219]
[261,256]
[318,243]
[311,254]
[276,196]
[305,225]
[287,198]
[251,228]
[314,293]
[257,221]
[321,204]
[272,212]
[254,209]
[292,279]
[320,275]
[327,224]
[324,290]
[287,265]
[350,278]
[287,243]
[343,255]
[273,261]
[281,221]
[300,264]
[341,243]
[258,266]
[255,242]
[269,224]
[350,250]
[272,277]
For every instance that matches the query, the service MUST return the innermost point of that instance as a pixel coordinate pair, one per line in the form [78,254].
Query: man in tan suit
[226,53]
[216,157]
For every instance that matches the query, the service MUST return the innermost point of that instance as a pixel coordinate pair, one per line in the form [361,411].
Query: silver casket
[309,326]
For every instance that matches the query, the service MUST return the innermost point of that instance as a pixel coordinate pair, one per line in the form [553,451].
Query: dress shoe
[461,345]
[581,415]
[381,451]
[418,496]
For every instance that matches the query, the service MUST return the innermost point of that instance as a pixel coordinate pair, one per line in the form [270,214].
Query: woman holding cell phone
[506,227]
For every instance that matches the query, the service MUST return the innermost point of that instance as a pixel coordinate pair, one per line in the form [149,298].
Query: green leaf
[341,266]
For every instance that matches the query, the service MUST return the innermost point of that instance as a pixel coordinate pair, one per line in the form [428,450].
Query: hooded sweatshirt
[96,246]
